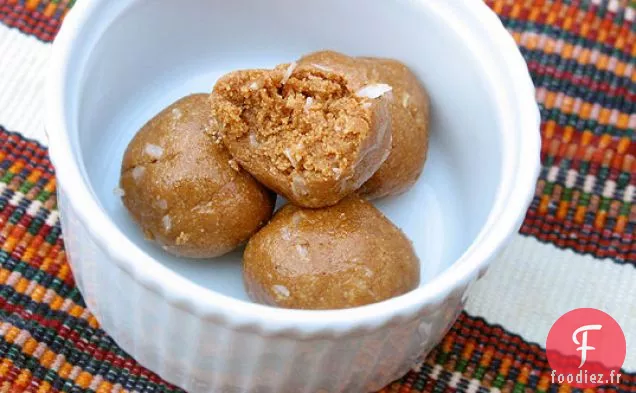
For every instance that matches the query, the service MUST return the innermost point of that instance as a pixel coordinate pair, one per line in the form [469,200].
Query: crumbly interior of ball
[301,120]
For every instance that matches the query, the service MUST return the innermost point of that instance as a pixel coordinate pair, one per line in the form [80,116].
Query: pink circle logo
[586,348]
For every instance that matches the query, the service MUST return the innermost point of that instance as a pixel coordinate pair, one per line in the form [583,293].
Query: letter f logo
[583,344]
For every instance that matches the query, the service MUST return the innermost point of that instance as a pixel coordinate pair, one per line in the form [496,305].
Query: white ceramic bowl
[116,63]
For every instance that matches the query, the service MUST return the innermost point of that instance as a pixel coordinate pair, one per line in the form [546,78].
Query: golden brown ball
[341,256]
[185,191]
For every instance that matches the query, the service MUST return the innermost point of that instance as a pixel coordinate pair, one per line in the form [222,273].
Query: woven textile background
[577,246]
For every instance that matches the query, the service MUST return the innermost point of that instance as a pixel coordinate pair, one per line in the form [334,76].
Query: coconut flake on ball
[253,140]
[405,100]
[285,234]
[301,249]
[138,172]
[322,67]
[281,290]
[308,103]
[374,90]
[297,218]
[299,185]
[153,151]
[167,222]
[337,172]
[119,192]
[256,85]
[288,72]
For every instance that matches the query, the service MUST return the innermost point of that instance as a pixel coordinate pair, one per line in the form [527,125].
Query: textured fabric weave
[582,57]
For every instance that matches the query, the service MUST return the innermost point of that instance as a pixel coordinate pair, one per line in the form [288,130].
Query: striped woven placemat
[579,230]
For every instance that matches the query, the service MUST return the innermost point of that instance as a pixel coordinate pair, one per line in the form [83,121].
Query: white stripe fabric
[531,284]
[23,69]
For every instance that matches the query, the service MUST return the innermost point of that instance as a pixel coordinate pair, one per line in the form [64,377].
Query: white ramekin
[204,341]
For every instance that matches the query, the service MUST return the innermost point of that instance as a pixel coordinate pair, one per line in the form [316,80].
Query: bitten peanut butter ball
[311,134]
[184,190]
[342,256]
[409,107]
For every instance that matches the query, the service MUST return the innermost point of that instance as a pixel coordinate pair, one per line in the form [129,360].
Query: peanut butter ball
[184,190]
[342,256]
[311,134]
[409,108]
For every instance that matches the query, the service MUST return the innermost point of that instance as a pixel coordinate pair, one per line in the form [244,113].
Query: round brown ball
[341,256]
[312,135]
[184,190]
[409,108]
